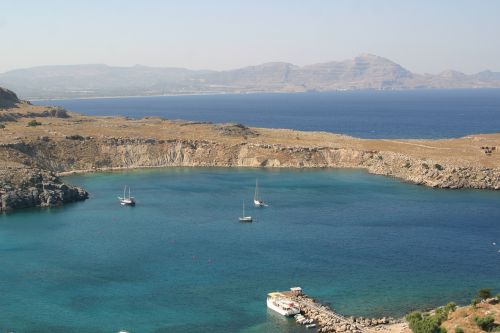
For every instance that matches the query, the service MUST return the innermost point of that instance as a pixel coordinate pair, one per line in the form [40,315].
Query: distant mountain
[363,72]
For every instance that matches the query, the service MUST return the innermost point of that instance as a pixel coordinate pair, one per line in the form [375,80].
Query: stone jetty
[328,320]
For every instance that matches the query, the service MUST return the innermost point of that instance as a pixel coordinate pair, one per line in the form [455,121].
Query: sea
[365,114]
[180,261]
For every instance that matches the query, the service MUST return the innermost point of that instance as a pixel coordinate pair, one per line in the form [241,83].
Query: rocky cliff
[26,187]
[112,153]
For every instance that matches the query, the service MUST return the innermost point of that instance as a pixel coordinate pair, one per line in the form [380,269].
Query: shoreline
[172,95]
[63,144]
[254,93]
[146,167]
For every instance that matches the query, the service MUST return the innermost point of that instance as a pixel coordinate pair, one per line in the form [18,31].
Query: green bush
[451,307]
[75,137]
[34,123]
[484,293]
[413,316]
[475,302]
[459,330]
[425,323]
[2,126]
[485,323]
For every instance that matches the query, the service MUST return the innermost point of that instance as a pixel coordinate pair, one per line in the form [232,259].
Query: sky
[423,36]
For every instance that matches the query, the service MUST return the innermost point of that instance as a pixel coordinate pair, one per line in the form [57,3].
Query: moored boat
[126,201]
[278,302]
[256,201]
[244,218]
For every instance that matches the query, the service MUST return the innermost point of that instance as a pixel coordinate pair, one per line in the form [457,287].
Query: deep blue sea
[181,262]
[367,114]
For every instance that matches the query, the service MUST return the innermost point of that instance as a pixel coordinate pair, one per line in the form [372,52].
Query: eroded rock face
[109,153]
[27,187]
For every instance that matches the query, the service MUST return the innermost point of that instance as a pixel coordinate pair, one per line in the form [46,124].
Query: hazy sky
[423,36]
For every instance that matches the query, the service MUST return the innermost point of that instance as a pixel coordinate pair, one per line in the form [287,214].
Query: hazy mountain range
[363,72]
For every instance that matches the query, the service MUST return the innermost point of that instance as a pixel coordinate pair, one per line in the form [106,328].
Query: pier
[328,320]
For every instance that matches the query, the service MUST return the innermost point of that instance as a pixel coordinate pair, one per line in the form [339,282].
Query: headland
[38,144]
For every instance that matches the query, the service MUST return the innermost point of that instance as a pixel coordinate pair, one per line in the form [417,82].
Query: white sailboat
[126,201]
[256,201]
[244,218]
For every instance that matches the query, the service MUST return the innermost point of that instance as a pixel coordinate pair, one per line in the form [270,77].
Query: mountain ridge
[366,71]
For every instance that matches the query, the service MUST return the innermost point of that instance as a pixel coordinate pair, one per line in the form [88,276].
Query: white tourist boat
[284,306]
[126,201]
[256,201]
[244,218]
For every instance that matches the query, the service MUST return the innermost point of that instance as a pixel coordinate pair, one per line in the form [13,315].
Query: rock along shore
[26,187]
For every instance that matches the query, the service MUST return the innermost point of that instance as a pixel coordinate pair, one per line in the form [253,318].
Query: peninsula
[38,144]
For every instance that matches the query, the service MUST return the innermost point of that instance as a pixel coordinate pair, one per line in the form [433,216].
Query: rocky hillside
[23,184]
[8,98]
[363,72]
[464,317]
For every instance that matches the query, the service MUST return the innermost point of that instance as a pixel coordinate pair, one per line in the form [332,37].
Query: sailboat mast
[124,189]
[256,194]
[129,192]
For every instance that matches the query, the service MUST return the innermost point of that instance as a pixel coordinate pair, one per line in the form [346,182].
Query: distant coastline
[255,93]
[366,71]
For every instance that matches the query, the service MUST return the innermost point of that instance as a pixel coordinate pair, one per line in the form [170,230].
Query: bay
[181,262]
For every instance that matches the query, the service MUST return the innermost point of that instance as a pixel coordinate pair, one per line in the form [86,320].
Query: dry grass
[464,151]
[464,317]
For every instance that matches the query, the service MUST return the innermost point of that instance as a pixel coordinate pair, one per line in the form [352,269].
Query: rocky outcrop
[8,98]
[236,130]
[88,153]
[50,111]
[28,187]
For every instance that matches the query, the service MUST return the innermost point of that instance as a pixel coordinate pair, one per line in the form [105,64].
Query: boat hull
[258,203]
[127,202]
[279,307]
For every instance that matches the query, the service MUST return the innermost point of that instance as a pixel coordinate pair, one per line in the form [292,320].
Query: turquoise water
[180,262]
